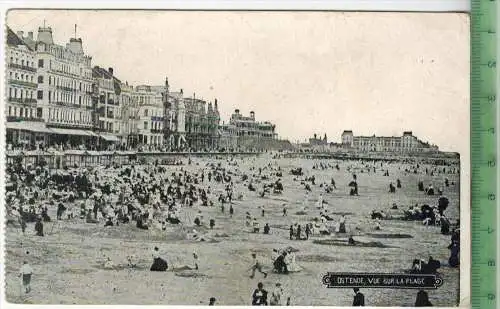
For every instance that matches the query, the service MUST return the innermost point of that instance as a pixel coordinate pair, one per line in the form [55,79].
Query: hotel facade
[407,143]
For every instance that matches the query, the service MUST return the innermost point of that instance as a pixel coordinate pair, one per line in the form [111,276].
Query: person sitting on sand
[131,261]
[109,222]
[108,264]
[280,265]
[159,264]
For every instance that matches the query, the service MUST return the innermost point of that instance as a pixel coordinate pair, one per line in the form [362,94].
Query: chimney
[110,70]
[252,114]
[182,91]
[20,34]
[30,35]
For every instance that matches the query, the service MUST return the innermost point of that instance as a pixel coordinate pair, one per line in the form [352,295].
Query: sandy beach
[68,269]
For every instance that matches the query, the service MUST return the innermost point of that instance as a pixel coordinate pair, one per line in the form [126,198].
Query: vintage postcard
[236,158]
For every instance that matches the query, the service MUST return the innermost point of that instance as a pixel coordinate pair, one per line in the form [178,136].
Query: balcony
[66,104]
[66,88]
[22,83]
[21,67]
[23,100]
[17,119]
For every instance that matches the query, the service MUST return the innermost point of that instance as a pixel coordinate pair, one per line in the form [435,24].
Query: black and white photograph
[214,158]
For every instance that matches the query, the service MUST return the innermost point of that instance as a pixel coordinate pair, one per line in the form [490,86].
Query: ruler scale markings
[484,153]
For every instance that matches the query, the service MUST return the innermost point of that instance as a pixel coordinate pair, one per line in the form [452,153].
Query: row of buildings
[406,143]
[57,98]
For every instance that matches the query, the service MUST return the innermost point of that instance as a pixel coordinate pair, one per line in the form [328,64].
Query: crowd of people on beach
[155,197]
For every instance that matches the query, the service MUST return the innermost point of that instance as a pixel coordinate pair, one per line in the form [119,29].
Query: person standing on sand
[422,299]
[259,296]
[195,259]
[25,273]
[212,301]
[256,265]
[359,298]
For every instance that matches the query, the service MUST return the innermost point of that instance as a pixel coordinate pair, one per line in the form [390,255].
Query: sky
[307,72]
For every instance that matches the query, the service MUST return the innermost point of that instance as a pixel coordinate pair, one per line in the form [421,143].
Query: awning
[110,138]
[71,132]
[32,126]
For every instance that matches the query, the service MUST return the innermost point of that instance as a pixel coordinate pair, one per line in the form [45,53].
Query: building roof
[14,40]
[101,73]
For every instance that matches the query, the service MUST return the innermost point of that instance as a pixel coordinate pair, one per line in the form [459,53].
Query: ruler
[484,194]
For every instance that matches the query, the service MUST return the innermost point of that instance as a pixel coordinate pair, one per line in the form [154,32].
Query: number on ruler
[491,263]
[491,296]
[491,197]
[492,64]
[491,130]
[491,163]
[492,99]
[490,230]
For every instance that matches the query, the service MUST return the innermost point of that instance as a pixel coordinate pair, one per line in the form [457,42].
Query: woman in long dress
[291,263]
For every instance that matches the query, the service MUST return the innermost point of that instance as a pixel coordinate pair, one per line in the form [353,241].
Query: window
[21,112]
[40,79]
[39,112]
[10,109]
[50,96]
[22,62]
[50,80]
[39,95]
[145,113]
[40,63]
[145,125]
